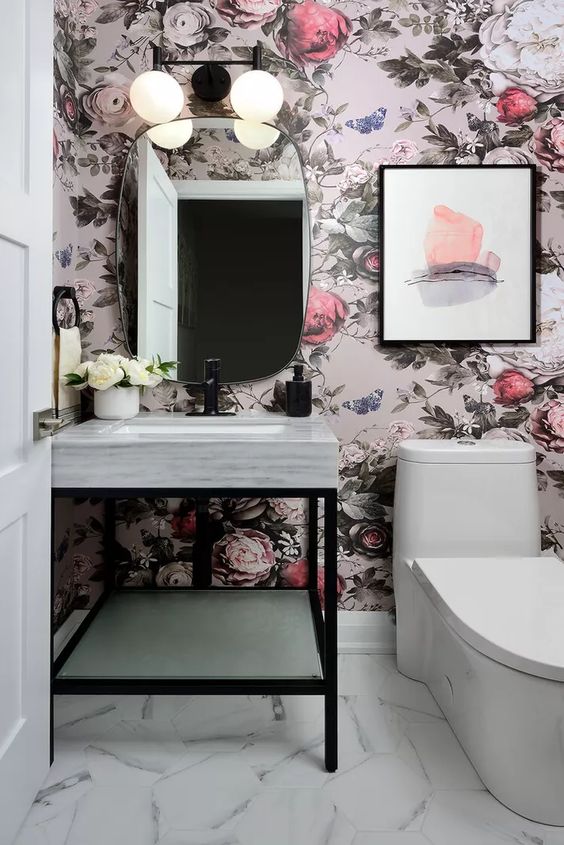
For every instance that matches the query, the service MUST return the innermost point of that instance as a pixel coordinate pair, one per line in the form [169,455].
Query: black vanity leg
[52,631]
[109,545]
[201,561]
[331,700]
[312,556]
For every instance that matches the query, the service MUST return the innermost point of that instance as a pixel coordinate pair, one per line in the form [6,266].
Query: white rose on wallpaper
[507,155]
[109,104]
[350,455]
[524,45]
[185,25]
[541,364]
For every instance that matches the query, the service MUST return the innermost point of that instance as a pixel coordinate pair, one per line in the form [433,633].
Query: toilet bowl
[480,613]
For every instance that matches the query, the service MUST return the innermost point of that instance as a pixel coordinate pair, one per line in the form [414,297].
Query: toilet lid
[510,609]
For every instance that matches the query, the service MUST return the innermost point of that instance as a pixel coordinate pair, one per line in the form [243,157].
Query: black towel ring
[64,292]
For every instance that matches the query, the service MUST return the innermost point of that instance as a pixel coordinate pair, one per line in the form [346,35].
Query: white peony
[136,371]
[105,372]
[507,155]
[523,45]
[350,455]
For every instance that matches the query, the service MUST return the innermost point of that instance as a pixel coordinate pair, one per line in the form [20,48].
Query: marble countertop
[160,450]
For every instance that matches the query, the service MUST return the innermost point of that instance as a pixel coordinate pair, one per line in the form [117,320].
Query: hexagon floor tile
[248,770]
[294,817]
[207,794]
[382,793]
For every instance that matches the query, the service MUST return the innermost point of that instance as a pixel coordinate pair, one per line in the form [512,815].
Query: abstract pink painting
[458,269]
[456,254]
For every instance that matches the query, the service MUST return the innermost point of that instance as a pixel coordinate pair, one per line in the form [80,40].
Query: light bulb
[257,96]
[156,96]
[169,136]
[255,136]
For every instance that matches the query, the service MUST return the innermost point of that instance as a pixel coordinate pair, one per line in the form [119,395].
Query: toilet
[480,613]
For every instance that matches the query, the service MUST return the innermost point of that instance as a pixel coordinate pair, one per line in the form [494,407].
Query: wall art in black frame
[457,254]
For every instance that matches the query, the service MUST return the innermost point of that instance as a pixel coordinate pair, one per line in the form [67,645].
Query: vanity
[197,231]
[205,638]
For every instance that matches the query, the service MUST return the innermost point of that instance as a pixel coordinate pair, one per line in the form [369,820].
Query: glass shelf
[205,634]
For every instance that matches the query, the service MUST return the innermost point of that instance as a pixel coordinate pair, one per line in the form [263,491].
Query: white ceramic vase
[116,403]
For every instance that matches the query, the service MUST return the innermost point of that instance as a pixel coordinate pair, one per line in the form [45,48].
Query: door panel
[158,267]
[25,466]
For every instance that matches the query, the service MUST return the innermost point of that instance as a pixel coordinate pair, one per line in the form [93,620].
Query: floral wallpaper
[400,81]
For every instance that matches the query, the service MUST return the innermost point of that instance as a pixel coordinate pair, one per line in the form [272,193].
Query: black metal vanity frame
[325,622]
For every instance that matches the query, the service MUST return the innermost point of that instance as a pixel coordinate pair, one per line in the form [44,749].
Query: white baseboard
[362,631]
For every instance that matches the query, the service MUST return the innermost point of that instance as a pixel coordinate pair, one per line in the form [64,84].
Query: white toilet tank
[466,498]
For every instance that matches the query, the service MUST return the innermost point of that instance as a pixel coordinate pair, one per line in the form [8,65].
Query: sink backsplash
[444,101]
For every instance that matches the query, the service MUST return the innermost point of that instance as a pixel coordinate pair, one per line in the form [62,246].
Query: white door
[25,466]
[157,312]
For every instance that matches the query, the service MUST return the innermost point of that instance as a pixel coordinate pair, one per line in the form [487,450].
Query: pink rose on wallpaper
[56,148]
[367,262]
[184,525]
[248,13]
[243,558]
[109,104]
[547,425]
[296,575]
[325,314]
[288,510]
[403,151]
[69,107]
[549,144]
[312,33]
[515,106]
[512,387]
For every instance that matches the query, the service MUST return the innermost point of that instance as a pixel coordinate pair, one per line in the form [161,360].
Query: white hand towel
[67,355]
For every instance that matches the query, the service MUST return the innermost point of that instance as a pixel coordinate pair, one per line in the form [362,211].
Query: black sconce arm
[211,81]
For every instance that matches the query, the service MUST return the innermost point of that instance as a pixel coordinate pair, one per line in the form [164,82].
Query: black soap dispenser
[298,394]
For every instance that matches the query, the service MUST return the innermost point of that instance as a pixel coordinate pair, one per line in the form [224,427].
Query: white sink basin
[191,427]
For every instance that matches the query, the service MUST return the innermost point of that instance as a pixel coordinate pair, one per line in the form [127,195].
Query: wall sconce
[256,95]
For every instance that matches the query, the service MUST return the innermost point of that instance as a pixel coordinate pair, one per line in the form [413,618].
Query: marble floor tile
[395,838]
[199,837]
[207,794]
[382,793]
[362,674]
[474,817]
[368,724]
[134,753]
[249,770]
[113,816]
[85,716]
[226,722]
[441,755]
[294,817]
[411,699]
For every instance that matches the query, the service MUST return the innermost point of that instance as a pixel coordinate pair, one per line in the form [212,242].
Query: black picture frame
[453,341]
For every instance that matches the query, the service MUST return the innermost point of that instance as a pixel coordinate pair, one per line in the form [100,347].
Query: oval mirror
[213,248]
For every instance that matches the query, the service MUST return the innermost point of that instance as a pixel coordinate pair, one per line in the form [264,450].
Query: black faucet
[210,386]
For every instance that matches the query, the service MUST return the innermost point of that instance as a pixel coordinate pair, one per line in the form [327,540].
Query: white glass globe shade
[257,96]
[255,136]
[156,96]
[169,136]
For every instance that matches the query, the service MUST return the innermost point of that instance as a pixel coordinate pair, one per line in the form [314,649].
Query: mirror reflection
[213,248]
